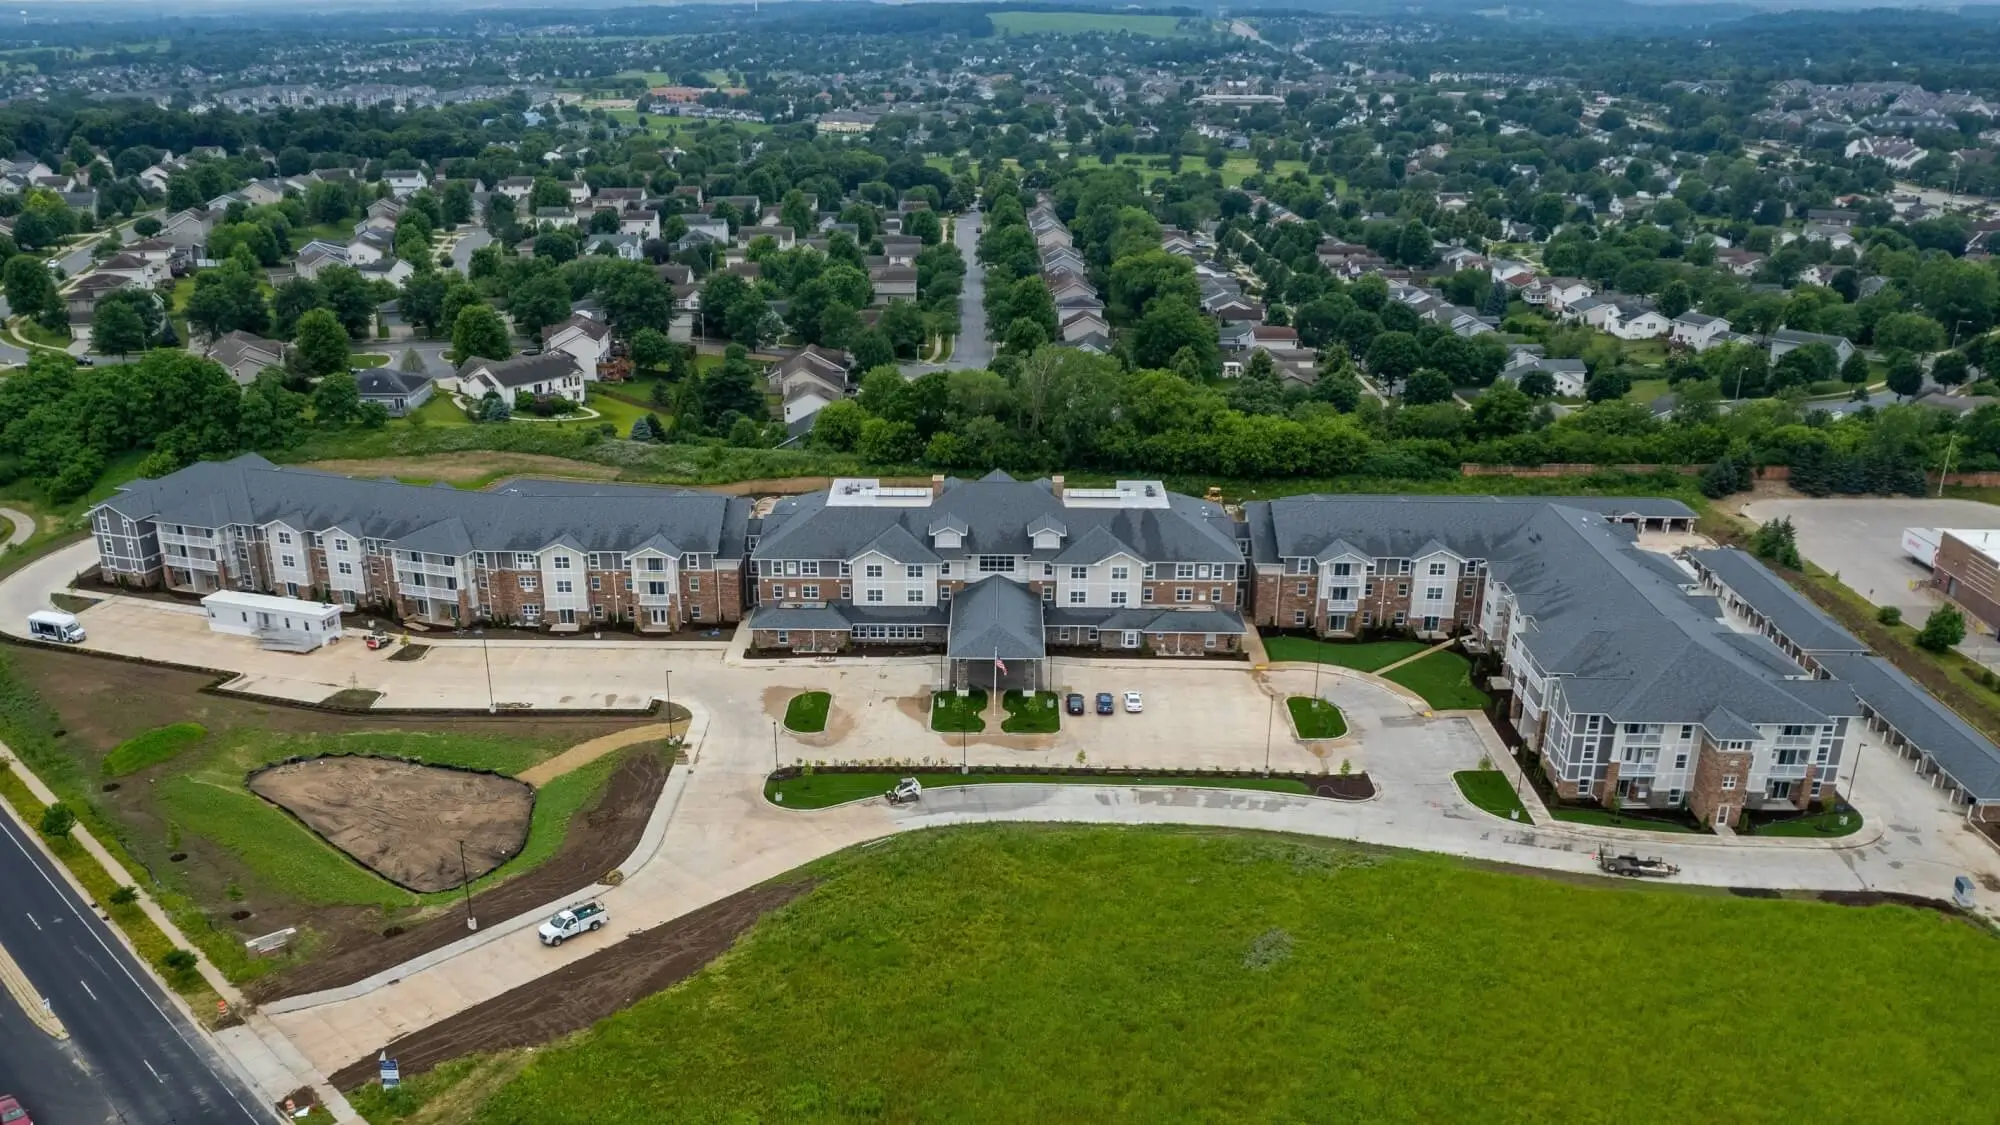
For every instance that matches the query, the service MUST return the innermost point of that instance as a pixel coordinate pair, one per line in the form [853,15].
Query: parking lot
[1861,541]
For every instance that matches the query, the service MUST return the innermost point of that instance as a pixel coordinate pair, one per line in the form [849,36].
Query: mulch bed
[583,992]
[1351,787]
[598,840]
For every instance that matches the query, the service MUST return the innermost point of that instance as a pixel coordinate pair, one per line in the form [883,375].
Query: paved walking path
[1385,669]
[24,526]
[584,753]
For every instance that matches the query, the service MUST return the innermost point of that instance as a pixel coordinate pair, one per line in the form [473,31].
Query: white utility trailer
[282,624]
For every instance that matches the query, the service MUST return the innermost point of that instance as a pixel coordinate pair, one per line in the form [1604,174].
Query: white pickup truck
[573,920]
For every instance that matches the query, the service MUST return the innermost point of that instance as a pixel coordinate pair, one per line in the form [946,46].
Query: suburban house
[404,182]
[810,379]
[1569,375]
[551,373]
[245,355]
[997,571]
[1897,152]
[317,255]
[1791,339]
[585,339]
[398,392]
[82,295]
[561,554]
[893,281]
[1621,675]
[188,229]
[1698,331]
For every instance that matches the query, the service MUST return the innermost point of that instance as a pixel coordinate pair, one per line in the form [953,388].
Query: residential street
[131,1058]
[972,349]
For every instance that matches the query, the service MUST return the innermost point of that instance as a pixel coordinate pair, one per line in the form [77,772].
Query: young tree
[650,349]
[1855,372]
[336,401]
[1426,385]
[1778,541]
[57,821]
[1906,374]
[30,290]
[1944,628]
[479,331]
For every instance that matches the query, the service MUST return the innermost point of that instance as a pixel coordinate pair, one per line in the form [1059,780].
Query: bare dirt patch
[404,821]
[598,840]
[459,468]
[582,992]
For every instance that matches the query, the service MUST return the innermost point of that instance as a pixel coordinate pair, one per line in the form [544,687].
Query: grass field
[822,790]
[1605,818]
[1362,656]
[954,713]
[1490,790]
[1316,718]
[1819,825]
[1443,678]
[1085,23]
[150,749]
[806,713]
[1032,713]
[1029,973]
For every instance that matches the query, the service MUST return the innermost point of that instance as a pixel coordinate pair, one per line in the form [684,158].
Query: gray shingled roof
[524,516]
[996,618]
[1959,750]
[997,512]
[1799,620]
[1615,624]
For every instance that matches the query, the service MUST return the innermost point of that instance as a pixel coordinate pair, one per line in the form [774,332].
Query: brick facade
[1721,780]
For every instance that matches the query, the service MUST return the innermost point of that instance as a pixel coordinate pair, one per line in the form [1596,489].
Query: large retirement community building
[1631,674]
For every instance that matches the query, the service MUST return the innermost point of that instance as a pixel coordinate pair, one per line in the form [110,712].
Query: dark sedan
[1105,704]
[1073,703]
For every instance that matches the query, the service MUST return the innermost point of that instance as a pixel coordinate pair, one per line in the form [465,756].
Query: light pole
[465,884]
[670,706]
[964,753]
[1270,718]
[486,658]
[774,746]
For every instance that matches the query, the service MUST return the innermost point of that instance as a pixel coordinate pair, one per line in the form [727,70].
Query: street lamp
[486,658]
[465,884]
[1270,718]
[774,746]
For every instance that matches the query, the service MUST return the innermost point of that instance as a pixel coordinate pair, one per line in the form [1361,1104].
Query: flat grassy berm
[1056,974]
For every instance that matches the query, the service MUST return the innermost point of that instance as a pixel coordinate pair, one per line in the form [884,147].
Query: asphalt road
[973,349]
[131,1058]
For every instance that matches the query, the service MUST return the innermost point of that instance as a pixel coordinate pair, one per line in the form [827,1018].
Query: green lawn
[806,713]
[1644,391]
[1444,679]
[1819,825]
[1490,790]
[954,713]
[1083,23]
[152,748]
[1605,818]
[1362,656]
[1053,973]
[368,359]
[1034,713]
[1316,718]
[437,410]
[823,790]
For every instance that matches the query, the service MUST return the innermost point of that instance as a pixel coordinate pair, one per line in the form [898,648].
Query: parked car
[1104,706]
[11,1112]
[1073,703]
[572,921]
[1134,703]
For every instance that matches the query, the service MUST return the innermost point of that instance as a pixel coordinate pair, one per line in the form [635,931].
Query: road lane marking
[86,989]
[32,922]
[155,1073]
[68,897]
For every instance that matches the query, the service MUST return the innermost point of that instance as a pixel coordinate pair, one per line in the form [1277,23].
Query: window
[1341,594]
[1434,593]
[1430,624]
[996,564]
[561,562]
[872,570]
[846,569]
[659,590]
[1048,570]
[1182,595]
[347,568]
[1120,573]
[1146,594]
[597,610]
[1076,597]
[1183,570]
[1368,618]
[531,613]
[1437,570]
[1048,595]
[524,560]
[656,564]
[1729,781]
[1337,623]
[1680,761]
[1304,589]
[1778,790]
[914,595]
[944,570]
[846,591]
[874,596]
[287,561]
[694,583]
[1402,589]
[784,638]
[914,571]
[285,537]
[1118,597]
[1215,594]
[1368,590]
[596,583]
[340,545]
[809,591]
[694,613]
[944,594]
[530,582]
[1401,618]
[563,586]
[809,568]
[1079,573]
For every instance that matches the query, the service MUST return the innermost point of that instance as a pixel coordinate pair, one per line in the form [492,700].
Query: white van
[55,625]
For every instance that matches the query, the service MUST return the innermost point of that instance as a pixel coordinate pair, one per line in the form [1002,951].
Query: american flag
[1000,665]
